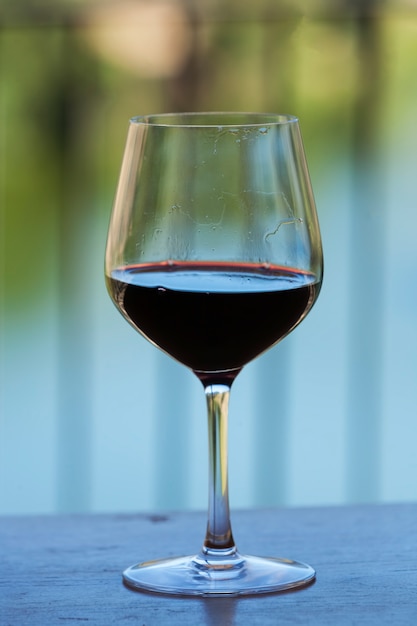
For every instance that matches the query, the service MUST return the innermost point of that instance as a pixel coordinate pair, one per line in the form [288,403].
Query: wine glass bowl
[214,255]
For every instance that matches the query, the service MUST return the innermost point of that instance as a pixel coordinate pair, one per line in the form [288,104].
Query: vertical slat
[270,415]
[367,276]
[172,442]
[76,183]
[3,122]
[27,276]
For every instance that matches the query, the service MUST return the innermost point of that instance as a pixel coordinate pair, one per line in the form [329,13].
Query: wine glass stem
[219,533]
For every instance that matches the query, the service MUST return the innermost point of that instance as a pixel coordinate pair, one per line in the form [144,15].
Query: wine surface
[213,317]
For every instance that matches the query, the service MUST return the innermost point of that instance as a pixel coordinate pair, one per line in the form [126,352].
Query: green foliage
[65,105]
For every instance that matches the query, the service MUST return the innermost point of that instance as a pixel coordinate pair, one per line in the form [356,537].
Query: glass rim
[214,119]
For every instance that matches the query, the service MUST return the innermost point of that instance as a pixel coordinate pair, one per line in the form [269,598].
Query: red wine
[213,317]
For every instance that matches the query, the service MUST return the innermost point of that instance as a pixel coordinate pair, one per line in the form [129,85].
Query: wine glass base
[195,576]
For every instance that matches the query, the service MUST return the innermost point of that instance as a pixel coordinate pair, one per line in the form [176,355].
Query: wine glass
[214,255]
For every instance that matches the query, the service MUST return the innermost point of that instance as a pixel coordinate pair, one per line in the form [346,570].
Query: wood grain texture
[67,569]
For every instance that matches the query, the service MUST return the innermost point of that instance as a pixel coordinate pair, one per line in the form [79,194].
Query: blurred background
[93,418]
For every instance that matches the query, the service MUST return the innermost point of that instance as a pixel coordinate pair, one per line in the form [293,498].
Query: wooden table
[67,569]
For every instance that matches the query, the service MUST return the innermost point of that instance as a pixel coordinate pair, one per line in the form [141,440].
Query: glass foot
[229,575]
